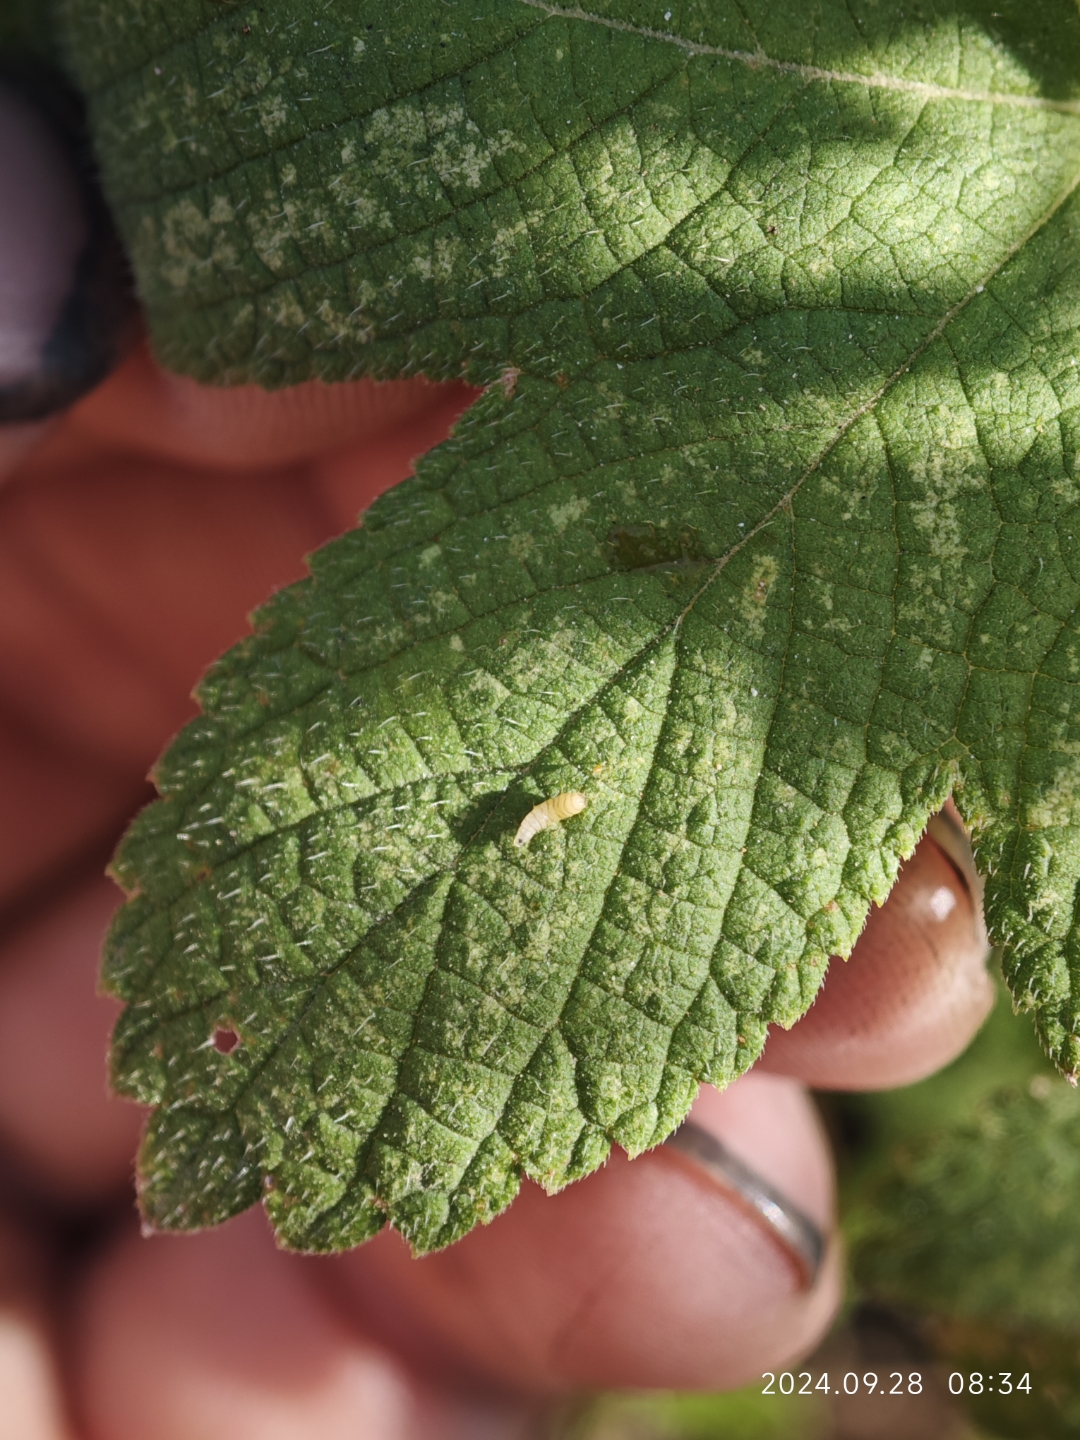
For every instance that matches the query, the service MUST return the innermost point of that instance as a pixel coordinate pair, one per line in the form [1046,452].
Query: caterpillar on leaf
[550,812]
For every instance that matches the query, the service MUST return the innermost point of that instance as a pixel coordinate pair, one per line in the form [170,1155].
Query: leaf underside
[764,536]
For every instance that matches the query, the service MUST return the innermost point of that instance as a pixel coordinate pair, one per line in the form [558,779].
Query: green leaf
[764,537]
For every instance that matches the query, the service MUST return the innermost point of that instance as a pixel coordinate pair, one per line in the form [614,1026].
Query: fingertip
[146,410]
[772,1121]
[73,1140]
[16,441]
[352,477]
[184,1336]
[914,992]
[31,1400]
[32,1407]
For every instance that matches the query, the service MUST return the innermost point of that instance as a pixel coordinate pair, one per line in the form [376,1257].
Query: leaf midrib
[758,60]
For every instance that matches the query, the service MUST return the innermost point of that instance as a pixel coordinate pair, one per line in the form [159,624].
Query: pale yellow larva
[548,813]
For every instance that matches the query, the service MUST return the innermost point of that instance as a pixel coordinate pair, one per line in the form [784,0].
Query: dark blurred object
[25,30]
[67,306]
[880,1341]
[1050,1410]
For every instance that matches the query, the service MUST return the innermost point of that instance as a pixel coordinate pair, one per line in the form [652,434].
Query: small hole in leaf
[225,1040]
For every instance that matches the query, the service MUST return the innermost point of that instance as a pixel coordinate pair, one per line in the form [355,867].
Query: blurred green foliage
[980,1220]
[741,1415]
[962,1205]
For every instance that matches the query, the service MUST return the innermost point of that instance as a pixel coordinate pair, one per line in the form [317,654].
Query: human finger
[145,410]
[123,577]
[180,1337]
[71,1139]
[31,1401]
[62,813]
[648,1273]
[916,988]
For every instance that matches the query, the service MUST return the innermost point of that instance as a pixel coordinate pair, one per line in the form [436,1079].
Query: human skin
[136,533]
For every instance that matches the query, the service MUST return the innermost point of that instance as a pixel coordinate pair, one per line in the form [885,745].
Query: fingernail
[794,1230]
[67,311]
[947,832]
